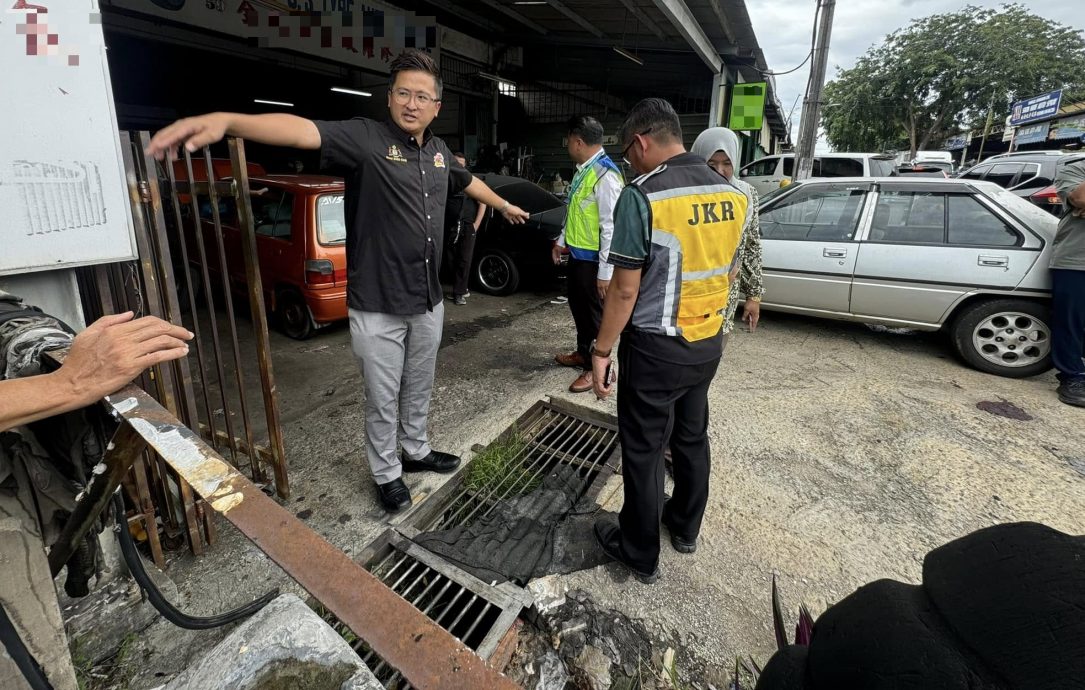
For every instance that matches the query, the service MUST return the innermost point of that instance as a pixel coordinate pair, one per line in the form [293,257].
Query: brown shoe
[583,383]
[573,359]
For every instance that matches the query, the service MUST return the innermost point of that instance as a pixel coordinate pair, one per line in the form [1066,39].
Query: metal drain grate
[553,433]
[476,613]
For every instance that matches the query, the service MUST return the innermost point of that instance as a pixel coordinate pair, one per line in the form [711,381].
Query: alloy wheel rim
[1012,339]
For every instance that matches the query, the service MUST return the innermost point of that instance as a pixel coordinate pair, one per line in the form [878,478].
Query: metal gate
[181,276]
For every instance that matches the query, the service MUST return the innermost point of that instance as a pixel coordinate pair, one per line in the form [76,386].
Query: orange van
[301,245]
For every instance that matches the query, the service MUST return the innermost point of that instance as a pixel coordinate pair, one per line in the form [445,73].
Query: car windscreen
[331,224]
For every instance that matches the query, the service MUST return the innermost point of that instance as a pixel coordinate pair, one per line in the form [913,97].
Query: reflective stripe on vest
[696,231]
[582,220]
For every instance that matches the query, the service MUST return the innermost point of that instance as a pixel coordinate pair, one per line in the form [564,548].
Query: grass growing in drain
[500,467]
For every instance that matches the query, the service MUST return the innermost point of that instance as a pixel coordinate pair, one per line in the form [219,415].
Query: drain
[476,613]
[556,435]
[562,456]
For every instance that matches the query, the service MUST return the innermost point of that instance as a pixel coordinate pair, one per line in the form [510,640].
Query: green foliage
[947,72]
[113,673]
[500,467]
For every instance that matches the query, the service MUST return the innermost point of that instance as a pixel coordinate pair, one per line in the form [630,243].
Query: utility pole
[811,106]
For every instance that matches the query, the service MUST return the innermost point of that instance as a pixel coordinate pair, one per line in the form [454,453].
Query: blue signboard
[956,143]
[1032,134]
[1035,109]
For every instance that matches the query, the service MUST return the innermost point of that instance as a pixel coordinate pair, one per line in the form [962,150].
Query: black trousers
[584,303]
[658,400]
[1067,323]
[459,251]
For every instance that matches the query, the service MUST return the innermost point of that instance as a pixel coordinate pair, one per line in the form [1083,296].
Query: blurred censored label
[366,34]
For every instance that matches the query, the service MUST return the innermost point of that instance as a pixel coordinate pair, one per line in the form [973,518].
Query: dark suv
[1028,174]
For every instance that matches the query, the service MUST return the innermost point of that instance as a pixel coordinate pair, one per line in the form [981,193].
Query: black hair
[587,128]
[653,115]
[413,60]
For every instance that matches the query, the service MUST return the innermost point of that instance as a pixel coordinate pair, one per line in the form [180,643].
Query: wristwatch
[753,299]
[597,353]
[505,207]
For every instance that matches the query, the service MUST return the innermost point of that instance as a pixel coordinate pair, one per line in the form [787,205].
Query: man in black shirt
[398,178]
[463,215]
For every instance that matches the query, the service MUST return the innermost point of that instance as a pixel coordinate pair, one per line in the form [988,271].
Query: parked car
[944,166]
[922,170]
[961,256]
[1028,174]
[504,253]
[766,174]
[300,243]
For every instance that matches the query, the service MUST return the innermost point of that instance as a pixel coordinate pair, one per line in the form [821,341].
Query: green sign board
[747,106]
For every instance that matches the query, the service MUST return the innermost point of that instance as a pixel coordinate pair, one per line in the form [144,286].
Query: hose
[24,660]
[154,595]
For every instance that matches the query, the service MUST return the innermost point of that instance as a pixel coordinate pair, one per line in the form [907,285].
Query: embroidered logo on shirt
[438,160]
[394,155]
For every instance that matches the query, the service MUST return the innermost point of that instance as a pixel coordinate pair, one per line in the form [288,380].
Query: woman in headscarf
[720,148]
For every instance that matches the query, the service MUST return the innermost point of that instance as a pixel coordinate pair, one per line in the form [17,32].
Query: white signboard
[363,34]
[63,192]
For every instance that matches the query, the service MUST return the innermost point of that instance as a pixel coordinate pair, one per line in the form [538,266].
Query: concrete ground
[841,454]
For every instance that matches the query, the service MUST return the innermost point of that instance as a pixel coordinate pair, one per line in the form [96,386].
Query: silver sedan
[962,256]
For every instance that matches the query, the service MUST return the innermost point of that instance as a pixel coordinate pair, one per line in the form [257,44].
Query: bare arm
[479,215]
[276,129]
[618,307]
[480,192]
[107,355]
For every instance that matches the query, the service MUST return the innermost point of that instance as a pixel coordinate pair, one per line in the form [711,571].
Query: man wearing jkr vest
[676,232]
[589,225]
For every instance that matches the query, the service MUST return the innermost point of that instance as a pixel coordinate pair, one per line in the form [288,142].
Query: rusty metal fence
[182,276]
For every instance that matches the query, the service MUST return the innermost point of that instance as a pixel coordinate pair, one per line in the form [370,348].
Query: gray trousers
[397,355]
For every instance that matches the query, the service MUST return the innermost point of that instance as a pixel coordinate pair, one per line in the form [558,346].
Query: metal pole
[811,107]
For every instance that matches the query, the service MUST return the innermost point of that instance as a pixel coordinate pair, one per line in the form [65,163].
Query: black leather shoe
[394,496]
[1072,393]
[436,461]
[680,544]
[610,538]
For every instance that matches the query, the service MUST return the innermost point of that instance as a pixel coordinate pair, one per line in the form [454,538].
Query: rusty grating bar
[476,613]
[554,433]
[424,653]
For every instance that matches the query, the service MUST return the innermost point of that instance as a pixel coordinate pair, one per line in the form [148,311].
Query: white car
[962,256]
[766,174]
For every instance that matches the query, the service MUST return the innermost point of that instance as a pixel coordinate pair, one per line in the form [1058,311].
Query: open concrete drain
[462,556]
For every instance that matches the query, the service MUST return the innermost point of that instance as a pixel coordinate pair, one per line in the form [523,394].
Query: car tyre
[1005,337]
[496,273]
[292,315]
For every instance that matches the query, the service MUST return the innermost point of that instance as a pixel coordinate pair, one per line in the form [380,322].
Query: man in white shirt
[589,227]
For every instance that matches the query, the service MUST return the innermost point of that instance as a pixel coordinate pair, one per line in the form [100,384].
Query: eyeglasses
[403,97]
[632,141]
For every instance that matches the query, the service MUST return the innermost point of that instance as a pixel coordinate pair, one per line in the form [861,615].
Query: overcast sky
[784,27]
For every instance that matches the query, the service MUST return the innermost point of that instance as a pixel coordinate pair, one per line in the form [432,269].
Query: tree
[946,72]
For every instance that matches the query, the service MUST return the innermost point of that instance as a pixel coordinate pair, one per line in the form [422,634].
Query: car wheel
[292,315]
[1006,337]
[496,273]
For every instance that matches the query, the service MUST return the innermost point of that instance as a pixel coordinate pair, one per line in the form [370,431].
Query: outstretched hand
[192,132]
[515,215]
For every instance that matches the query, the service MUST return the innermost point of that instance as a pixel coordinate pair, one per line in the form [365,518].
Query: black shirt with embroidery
[396,193]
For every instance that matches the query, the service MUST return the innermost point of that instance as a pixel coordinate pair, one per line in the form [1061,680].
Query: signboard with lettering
[62,184]
[363,34]
[1035,109]
[1032,134]
[956,143]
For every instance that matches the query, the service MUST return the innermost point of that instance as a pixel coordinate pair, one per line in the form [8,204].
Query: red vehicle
[301,244]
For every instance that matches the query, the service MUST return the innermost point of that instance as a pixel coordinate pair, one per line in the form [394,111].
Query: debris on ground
[580,645]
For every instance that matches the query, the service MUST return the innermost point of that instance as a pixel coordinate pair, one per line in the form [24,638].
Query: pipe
[154,595]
